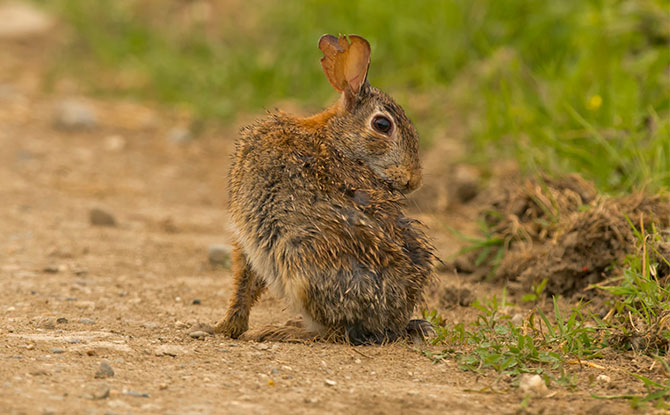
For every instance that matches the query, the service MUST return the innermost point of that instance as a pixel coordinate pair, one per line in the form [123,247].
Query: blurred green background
[560,86]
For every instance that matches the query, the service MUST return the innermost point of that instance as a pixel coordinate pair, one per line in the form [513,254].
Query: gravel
[198,334]
[105,371]
[99,217]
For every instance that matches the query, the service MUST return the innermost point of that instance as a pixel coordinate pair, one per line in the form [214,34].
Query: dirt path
[75,295]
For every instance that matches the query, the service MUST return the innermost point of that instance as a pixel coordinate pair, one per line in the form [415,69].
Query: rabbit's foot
[233,325]
[420,329]
[288,333]
[357,336]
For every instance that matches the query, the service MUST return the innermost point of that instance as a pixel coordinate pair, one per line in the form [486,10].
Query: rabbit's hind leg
[247,288]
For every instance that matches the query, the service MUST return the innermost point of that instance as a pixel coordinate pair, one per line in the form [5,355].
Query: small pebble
[105,371]
[532,385]
[198,334]
[48,323]
[220,255]
[163,386]
[99,217]
[30,347]
[85,320]
[329,382]
[136,394]
[51,269]
[204,327]
[57,350]
[604,379]
[61,320]
[196,301]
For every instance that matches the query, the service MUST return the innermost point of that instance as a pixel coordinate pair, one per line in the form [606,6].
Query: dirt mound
[562,231]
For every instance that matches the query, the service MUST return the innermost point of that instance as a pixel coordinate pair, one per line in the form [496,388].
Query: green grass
[564,85]
[638,322]
[537,345]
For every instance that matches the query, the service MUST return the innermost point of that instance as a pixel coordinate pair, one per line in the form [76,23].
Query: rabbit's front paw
[233,325]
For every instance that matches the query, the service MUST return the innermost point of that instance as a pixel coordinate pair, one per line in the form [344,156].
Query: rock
[74,114]
[51,269]
[48,323]
[532,385]
[204,327]
[220,255]
[85,320]
[99,217]
[57,350]
[96,391]
[169,350]
[61,320]
[196,301]
[179,135]
[198,334]
[329,382]
[603,379]
[21,20]
[136,394]
[105,371]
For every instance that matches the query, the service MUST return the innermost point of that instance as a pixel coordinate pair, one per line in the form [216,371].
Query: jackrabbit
[316,205]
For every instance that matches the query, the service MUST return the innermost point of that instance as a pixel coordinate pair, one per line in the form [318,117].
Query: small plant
[496,343]
[536,292]
[639,317]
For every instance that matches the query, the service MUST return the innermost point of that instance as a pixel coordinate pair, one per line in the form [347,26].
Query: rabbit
[316,209]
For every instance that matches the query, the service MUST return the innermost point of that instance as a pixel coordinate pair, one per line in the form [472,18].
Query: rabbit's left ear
[345,62]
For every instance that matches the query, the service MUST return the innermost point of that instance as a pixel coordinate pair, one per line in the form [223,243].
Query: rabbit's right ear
[345,64]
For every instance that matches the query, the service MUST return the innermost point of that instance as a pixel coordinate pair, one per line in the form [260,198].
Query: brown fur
[318,216]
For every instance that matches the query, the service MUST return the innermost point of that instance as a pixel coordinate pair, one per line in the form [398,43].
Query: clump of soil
[561,230]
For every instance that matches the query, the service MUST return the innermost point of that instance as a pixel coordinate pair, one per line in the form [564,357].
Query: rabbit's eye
[382,124]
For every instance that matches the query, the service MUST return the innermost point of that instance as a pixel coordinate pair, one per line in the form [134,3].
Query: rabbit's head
[365,123]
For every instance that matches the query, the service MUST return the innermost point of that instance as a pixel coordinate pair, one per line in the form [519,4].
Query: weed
[494,342]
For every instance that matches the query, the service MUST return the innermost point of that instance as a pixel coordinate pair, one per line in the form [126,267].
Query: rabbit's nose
[414,182]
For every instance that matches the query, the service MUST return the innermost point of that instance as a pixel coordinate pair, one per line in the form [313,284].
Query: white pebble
[532,385]
[604,379]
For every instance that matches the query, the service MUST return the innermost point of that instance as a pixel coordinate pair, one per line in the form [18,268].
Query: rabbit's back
[323,231]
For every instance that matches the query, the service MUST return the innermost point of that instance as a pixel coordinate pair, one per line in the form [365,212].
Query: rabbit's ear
[345,64]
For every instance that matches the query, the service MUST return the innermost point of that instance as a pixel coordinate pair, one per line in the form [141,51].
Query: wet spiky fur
[316,205]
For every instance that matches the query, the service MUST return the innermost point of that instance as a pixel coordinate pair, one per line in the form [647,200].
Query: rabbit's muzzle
[402,179]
